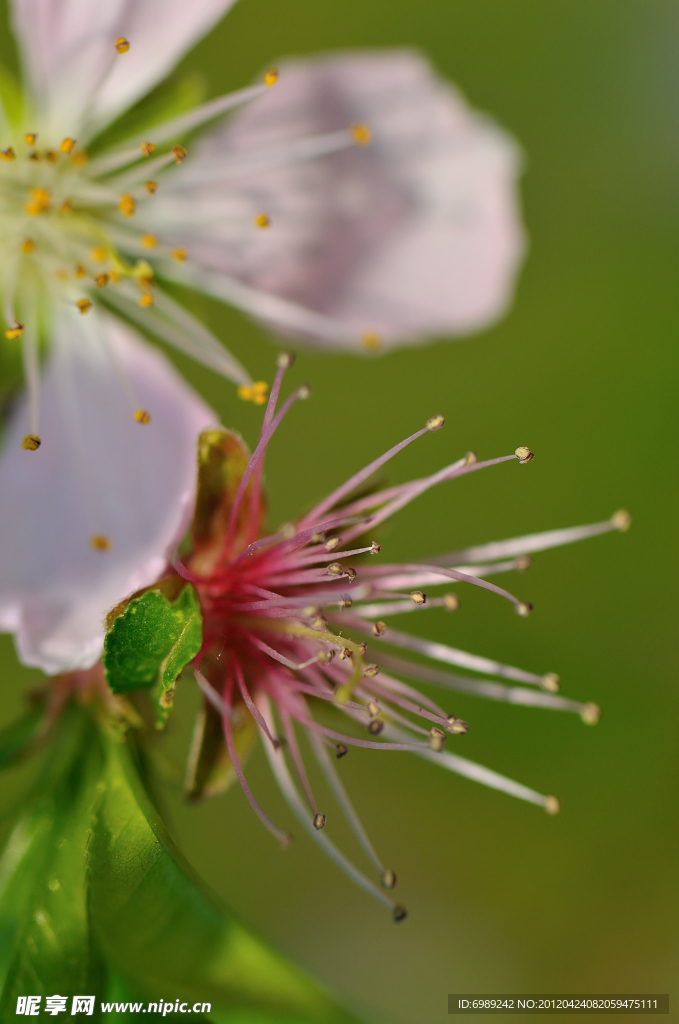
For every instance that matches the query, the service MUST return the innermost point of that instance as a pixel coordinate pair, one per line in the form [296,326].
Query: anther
[150,186]
[388,879]
[371,340]
[435,423]
[146,300]
[84,305]
[262,221]
[149,241]
[350,573]
[451,602]
[287,530]
[341,750]
[320,622]
[456,725]
[471,458]
[7,154]
[373,708]
[304,392]
[271,76]
[590,714]
[39,202]
[147,148]
[179,255]
[363,647]
[34,156]
[101,280]
[179,153]
[12,333]
[122,45]
[309,611]
[399,914]
[127,205]
[622,520]
[437,738]
[66,206]
[142,416]
[523,562]
[80,270]
[375,548]
[417,597]
[524,608]
[524,454]
[67,146]
[333,543]
[552,804]
[379,628]
[30,137]
[335,569]
[346,653]
[319,821]
[550,682]
[345,602]
[28,245]
[375,727]
[100,542]
[361,134]
[284,360]
[325,657]
[371,671]
[31,442]
[79,159]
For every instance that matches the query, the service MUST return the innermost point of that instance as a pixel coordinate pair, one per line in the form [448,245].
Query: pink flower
[294,631]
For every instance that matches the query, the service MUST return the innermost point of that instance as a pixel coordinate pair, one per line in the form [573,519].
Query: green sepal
[151,640]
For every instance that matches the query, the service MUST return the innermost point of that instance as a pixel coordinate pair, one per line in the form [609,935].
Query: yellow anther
[341,750]
[150,186]
[51,156]
[271,76]
[550,682]
[114,276]
[80,270]
[31,442]
[388,879]
[361,134]
[262,221]
[622,520]
[333,543]
[437,738]
[524,454]
[79,158]
[523,562]
[28,245]
[61,274]
[15,332]
[39,202]
[146,300]
[451,602]
[35,156]
[66,206]
[179,254]
[371,340]
[30,137]
[471,458]
[379,628]
[375,548]
[456,725]
[84,305]
[127,205]
[590,714]
[149,241]
[179,153]
[256,393]
[67,146]
[524,608]
[552,804]
[417,597]
[147,148]
[435,423]
[319,821]
[373,708]
[122,45]
[101,280]
[370,671]
[142,416]
[100,542]
[7,154]
[375,727]
[345,602]
[99,254]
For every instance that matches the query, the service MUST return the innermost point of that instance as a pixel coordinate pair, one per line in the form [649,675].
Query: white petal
[415,235]
[69,56]
[97,472]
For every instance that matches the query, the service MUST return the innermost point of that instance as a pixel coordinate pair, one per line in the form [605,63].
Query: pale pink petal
[415,235]
[68,50]
[97,472]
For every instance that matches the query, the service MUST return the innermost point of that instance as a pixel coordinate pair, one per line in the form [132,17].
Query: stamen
[67,146]
[379,628]
[524,455]
[151,186]
[15,332]
[335,569]
[371,340]
[66,206]
[30,137]
[319,821]
[375,548]
[101,280]
[271,76]
[590,714]
[456,725]
[28,245]
[523,608]
[149,241]
[417,597]
[142,416]
[100,542]
[31,442]
[361,134]
[256,392]
[122,45]
[451,602]
[437,738]
[179,153]
[39,202]
[371,671]
[550,682]
[7,154]
[79,158]
[80,270]
[341,750]
[435,423]
[399,914]
[146,300]
[552,804]
[262,220]
[375,727]
[621,520]
[388,879]
[147,148]
[127,205]
[84,305]
[179,255]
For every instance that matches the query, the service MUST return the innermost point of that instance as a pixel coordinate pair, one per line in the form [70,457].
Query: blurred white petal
[417,234]
[69,56]
[98,472]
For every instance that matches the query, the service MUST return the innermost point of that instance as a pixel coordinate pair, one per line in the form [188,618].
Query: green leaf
[152,640]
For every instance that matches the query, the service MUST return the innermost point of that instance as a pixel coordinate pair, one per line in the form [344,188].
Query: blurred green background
[501,897]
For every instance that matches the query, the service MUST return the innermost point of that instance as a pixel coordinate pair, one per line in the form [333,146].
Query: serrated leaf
[152,640]
[210,770]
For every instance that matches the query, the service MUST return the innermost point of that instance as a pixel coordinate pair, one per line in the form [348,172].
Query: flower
[295,637]
[416,235]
